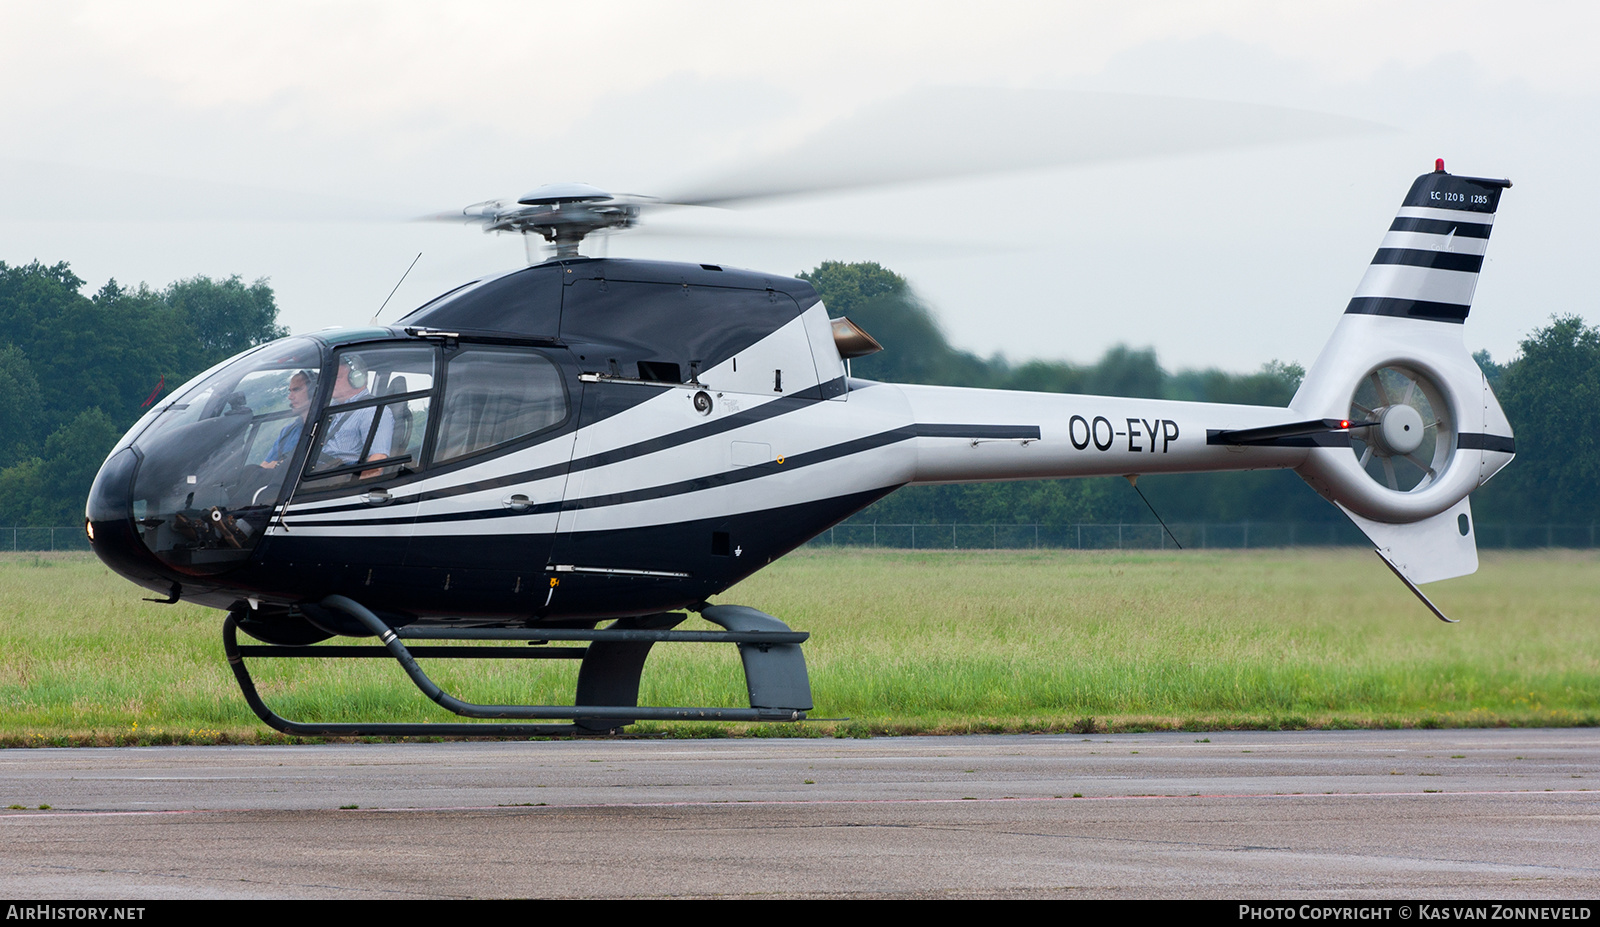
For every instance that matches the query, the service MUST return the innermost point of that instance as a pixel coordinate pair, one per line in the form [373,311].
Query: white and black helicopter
[603,441]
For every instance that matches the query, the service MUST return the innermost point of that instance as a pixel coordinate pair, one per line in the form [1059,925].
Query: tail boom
[977,435]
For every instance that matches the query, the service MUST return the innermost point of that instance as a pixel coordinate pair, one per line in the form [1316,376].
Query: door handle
[517,503]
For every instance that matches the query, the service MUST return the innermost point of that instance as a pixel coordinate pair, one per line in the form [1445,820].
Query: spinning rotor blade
[927,135]
[665,227]
[1389,390]
[1383,394]
[944,133]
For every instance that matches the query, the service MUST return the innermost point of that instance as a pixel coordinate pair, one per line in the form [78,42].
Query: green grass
[902,643]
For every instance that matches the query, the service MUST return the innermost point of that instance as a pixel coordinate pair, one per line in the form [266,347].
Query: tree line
[77,370]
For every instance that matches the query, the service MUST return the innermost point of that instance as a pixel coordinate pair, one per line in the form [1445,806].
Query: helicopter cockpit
[288,418]
[215,461]
[212,463]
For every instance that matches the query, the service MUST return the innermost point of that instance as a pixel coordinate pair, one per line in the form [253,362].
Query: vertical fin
[1427,266]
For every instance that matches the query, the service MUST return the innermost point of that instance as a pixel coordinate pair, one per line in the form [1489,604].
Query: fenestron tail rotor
[1407,436]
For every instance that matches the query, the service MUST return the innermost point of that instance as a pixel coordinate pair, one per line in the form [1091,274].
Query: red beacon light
[1438,165]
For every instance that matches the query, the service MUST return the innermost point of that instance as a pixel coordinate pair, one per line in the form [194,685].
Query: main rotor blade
[957,132]
[667,229]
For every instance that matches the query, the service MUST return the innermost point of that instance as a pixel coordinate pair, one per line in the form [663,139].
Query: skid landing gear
[608,678]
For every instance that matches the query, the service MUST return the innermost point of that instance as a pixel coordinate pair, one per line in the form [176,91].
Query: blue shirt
[347,433]
[287,439]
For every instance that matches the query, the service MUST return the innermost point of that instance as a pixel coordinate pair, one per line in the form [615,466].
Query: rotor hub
[562,214]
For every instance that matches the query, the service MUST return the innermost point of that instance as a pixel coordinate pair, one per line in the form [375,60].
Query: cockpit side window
[493,396]
[377,413]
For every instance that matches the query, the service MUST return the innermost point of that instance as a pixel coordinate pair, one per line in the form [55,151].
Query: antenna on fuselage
[397,286]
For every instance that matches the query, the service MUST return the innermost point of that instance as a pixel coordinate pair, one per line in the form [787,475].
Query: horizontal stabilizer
[1315,433]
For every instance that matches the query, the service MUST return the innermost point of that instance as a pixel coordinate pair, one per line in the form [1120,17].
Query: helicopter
[604,441]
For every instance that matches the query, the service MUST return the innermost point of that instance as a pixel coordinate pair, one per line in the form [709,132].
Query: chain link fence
[42,539]
[1150,536]
[1118,536]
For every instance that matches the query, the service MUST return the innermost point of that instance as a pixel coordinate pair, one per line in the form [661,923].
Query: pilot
[300,387]
[347,432]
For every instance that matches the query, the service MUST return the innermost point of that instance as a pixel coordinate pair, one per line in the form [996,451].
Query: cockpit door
[356,500]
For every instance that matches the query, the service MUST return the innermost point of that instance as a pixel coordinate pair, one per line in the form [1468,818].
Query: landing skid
[608,678]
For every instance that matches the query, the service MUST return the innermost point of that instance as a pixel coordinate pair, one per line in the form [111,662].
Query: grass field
[924,642]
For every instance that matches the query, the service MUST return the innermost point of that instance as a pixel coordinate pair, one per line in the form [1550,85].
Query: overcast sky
[155,141]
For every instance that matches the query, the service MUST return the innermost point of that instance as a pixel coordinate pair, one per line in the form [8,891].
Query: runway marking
[35,815]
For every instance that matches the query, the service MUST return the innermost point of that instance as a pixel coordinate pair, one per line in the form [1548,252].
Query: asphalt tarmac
[1305,814]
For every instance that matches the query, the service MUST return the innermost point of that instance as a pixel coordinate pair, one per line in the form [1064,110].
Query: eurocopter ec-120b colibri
[602,441]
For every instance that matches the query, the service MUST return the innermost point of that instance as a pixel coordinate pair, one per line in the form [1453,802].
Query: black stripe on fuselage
[743,474]
[1024,432]
[712,480]
[805,459]
[656,445]
[773,409]
[1441,227]
[1407,308]
[1441,260]
[1469,440]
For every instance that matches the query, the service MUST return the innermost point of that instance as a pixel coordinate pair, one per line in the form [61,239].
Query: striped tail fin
[1423,428]
[1427,266]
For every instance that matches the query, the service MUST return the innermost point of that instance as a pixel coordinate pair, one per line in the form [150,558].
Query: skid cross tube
[608,678]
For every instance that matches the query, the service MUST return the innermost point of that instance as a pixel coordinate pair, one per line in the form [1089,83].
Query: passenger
[347,432]
[300,386]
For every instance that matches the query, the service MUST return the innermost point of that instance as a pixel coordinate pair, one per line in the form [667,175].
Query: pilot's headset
[360,373]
